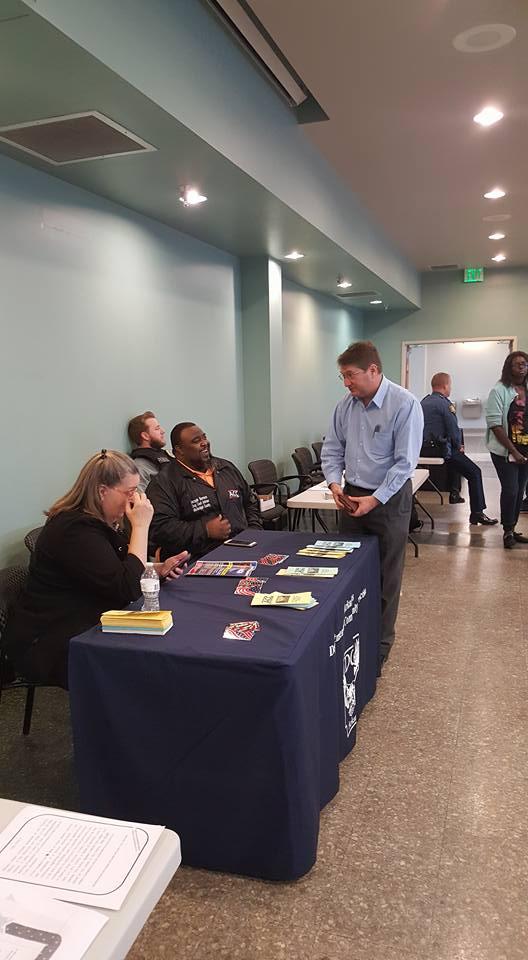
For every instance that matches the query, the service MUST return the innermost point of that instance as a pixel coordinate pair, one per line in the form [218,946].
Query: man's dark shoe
[520,538]
[476,518]
[508,540]
[456,498]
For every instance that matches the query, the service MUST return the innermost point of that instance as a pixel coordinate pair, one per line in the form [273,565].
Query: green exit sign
[474,275]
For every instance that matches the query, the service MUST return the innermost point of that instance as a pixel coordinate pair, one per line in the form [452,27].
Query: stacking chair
[306,467]
[12,582]
[31,538]
[317,447]
[308,475]
[266,480]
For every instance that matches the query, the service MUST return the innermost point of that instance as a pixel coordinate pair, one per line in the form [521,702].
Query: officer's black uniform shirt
[440,423]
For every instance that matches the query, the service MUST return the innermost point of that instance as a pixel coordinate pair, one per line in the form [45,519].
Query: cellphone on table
[238,542]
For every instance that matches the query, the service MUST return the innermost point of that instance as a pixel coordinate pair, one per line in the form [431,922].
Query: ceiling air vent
[74,138]
[445,266]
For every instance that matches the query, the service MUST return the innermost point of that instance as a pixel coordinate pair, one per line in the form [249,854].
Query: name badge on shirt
[199,504]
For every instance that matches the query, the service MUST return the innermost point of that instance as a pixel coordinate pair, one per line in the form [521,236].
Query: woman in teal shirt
[507,440]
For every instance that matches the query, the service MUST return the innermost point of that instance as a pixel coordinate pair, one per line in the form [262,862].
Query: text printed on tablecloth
[349,612]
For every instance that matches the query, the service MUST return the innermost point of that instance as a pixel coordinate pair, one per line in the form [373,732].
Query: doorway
[474,365]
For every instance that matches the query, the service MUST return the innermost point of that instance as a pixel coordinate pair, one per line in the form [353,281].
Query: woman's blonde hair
[107,468]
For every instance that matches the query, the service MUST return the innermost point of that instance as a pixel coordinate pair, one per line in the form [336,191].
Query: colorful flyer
[242,630]
[250,586]
[273,559]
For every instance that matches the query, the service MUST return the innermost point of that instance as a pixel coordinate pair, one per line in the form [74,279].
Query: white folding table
[432,462]
[319,497]
[124,925]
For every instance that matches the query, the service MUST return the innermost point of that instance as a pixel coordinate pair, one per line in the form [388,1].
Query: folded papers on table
[299,601]
[157,622]
[326,572]
[222,568]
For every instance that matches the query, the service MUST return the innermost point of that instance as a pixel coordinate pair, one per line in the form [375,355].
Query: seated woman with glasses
[507,441]
[82,565]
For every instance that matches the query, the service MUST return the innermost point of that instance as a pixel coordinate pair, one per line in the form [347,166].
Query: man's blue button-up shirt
[377,445]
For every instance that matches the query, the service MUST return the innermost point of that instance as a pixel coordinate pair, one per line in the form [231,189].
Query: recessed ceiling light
[488,116]
[344,284]
[496,236]
[495,194]
[376,301]
[499,257]
[191,197]
[294,255]
[484,37]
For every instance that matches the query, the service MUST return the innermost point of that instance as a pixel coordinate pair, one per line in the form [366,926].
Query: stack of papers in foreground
[299,601]
[34,927]
[51,856]
[325,572]
[156,622]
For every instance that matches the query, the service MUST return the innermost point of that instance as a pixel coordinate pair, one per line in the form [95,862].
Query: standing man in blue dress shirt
[375,437]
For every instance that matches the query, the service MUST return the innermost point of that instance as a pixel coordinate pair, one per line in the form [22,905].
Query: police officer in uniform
[443,436]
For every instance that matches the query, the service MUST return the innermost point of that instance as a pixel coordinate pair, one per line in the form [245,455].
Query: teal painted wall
[316,329]
[104,313]
[451,308]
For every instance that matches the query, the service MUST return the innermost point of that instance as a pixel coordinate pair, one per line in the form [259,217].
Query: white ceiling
[401,100]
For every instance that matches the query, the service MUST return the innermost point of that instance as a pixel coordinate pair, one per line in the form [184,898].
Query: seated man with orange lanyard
[199,500]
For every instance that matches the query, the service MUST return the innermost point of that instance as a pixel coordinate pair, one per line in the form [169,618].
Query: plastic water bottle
[150,586]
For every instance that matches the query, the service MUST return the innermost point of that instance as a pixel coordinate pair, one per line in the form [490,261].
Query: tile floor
[422,854]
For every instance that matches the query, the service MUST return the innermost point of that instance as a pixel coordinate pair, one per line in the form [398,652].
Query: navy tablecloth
[234,745]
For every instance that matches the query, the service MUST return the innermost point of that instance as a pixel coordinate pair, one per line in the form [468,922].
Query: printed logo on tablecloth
[350,609]
[350,672]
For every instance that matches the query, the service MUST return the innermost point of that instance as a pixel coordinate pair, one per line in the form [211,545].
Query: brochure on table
[222,568]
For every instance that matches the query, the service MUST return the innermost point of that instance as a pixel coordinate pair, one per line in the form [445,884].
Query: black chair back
[264,473]
[12,582]
[31,538]
[302,459]
[303,468]
[317,447]
[266,481]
